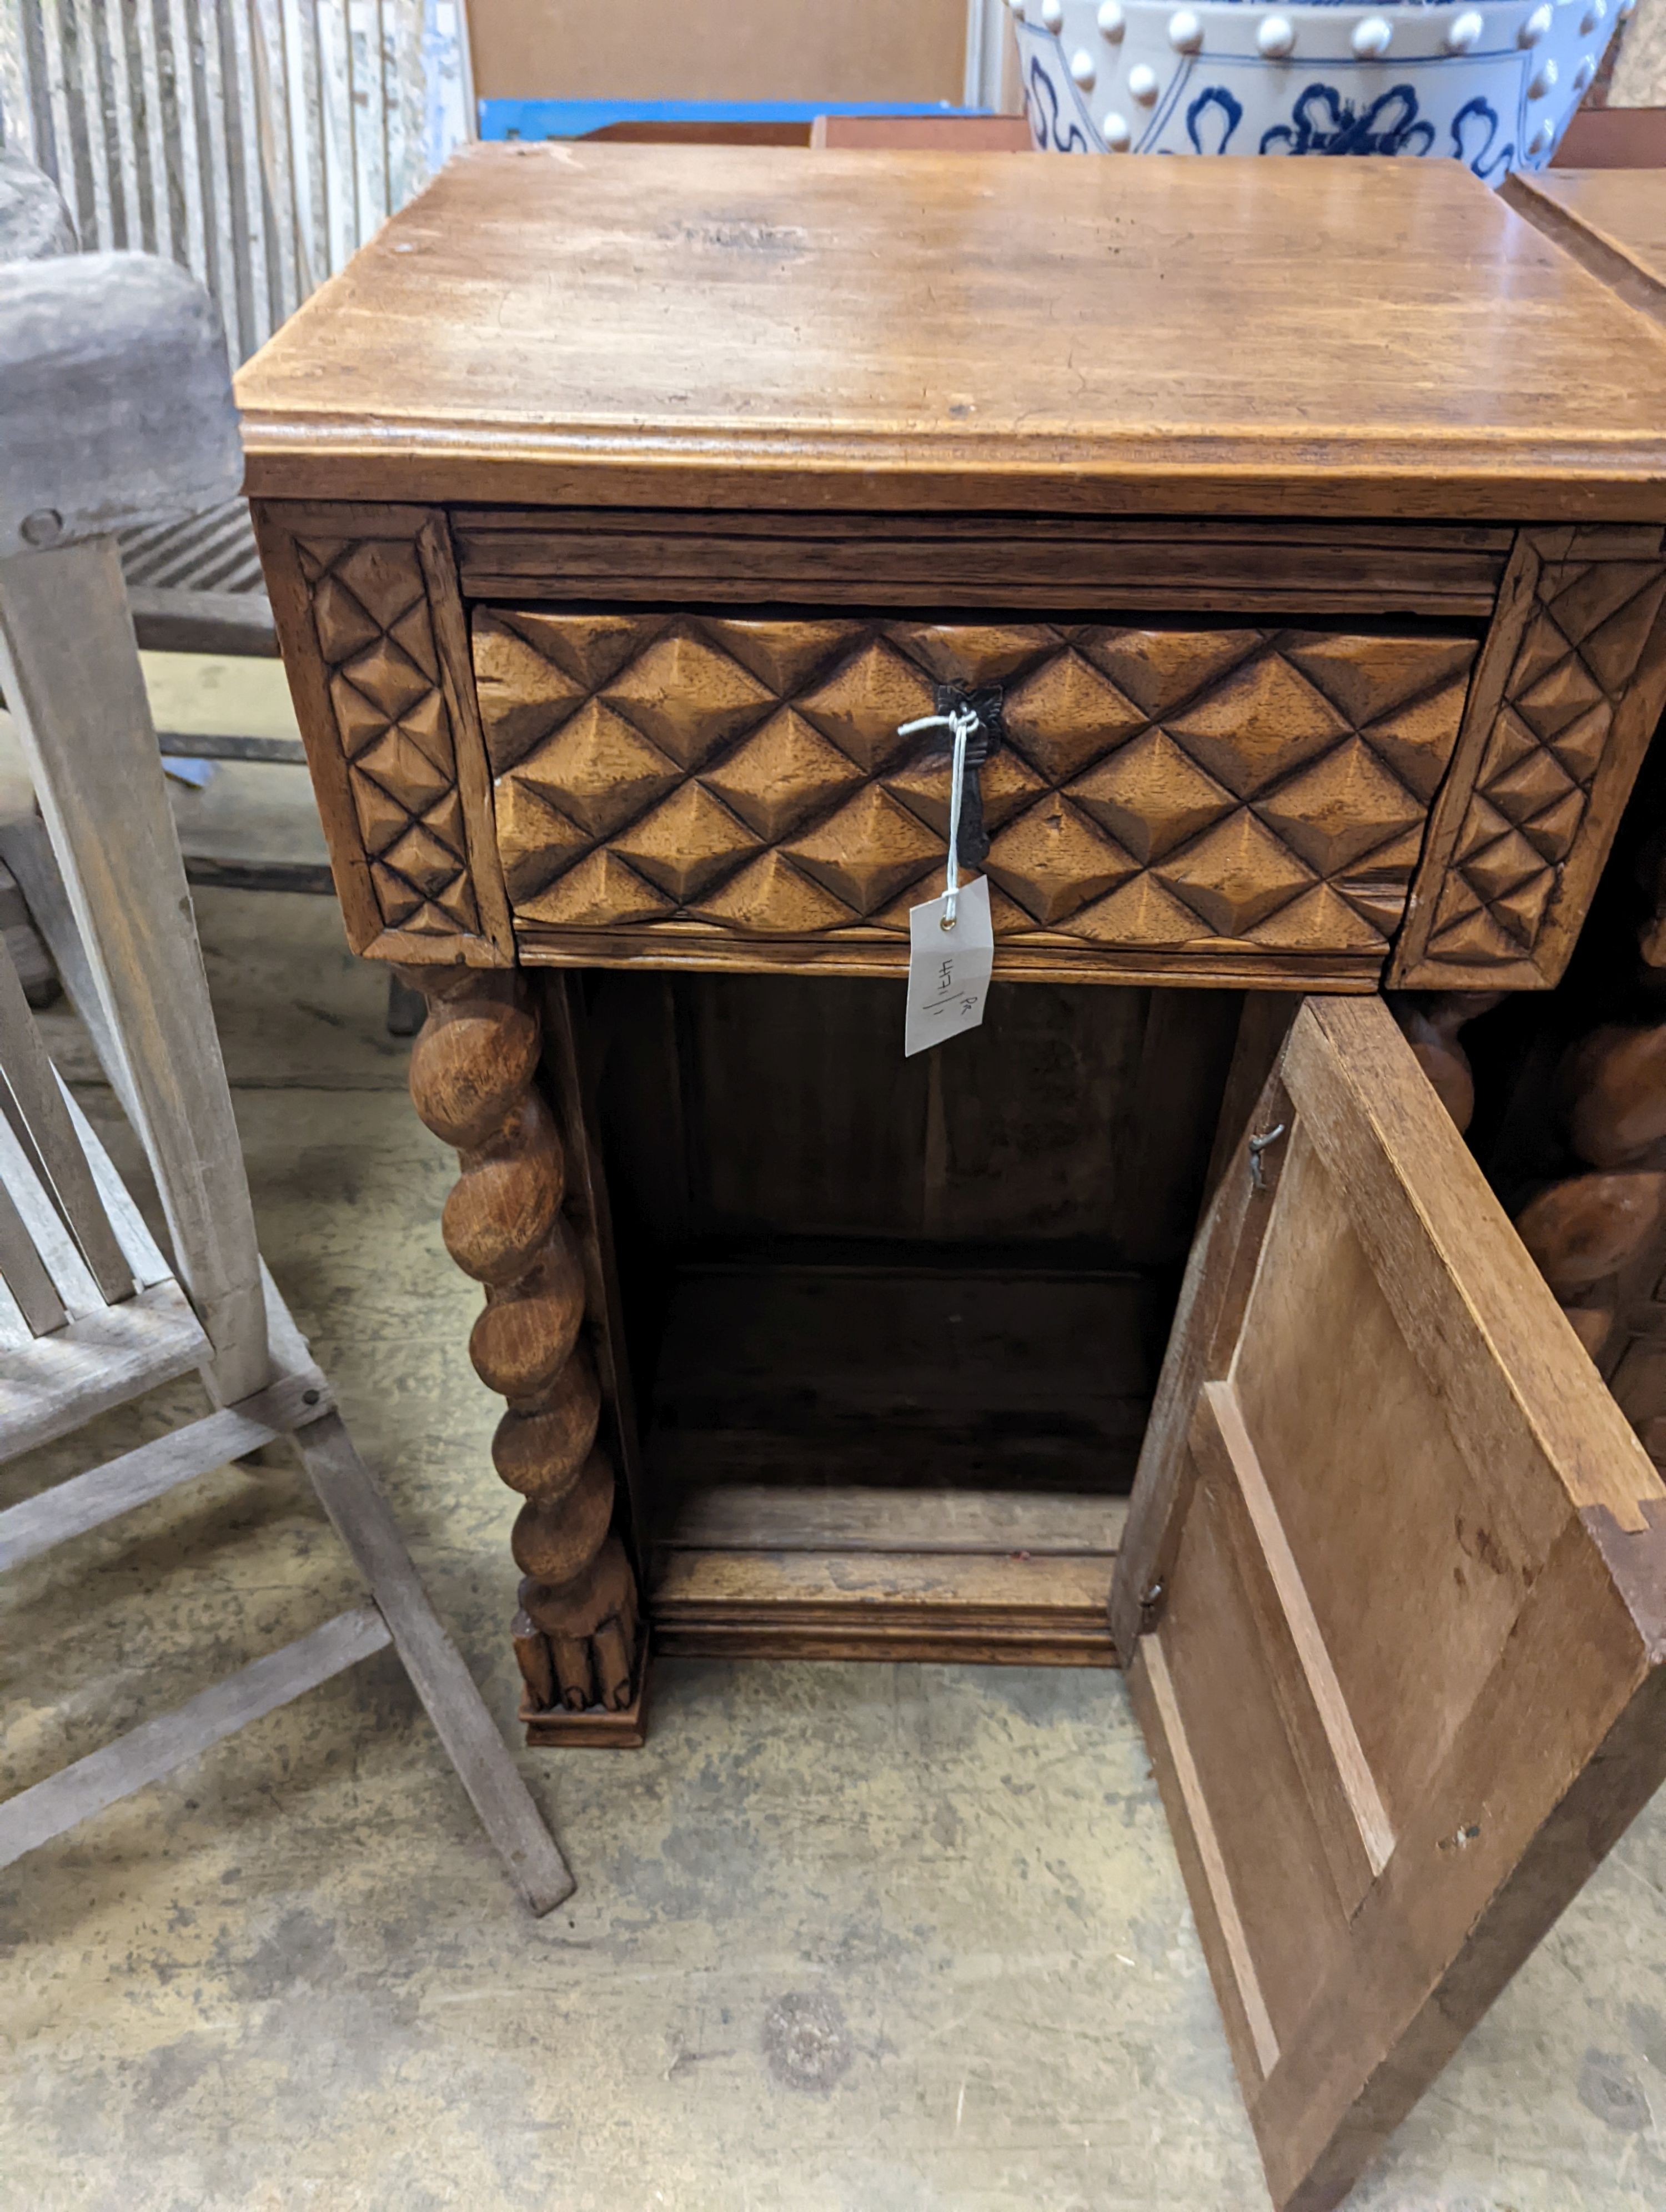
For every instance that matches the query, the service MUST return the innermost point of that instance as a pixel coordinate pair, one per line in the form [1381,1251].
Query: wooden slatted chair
[118,413]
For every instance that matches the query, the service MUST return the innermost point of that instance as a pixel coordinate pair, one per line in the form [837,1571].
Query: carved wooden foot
[474,1082]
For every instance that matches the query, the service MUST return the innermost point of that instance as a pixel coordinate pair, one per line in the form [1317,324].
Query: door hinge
[1257,1147]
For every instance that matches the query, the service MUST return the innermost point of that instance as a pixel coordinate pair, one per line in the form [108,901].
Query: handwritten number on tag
[949,968]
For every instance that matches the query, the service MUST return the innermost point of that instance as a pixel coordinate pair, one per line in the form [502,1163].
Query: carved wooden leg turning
[474,1079]
[1598,1233]
[1596,1230]
[1599,1238]
[1431,1021]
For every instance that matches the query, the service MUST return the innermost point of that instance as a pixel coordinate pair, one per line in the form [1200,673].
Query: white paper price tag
[948,969]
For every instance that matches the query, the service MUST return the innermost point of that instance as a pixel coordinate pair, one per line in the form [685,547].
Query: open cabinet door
[1394,1596]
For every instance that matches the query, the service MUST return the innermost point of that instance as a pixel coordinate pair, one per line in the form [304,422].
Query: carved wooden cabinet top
[674,327]
[621,505]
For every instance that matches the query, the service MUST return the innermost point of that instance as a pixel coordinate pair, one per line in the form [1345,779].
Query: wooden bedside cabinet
[1299,529]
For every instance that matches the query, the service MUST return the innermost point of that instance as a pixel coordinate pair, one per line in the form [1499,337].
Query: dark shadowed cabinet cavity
[620,507]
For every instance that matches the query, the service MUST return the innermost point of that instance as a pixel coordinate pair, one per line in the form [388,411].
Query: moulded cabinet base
[785,1570]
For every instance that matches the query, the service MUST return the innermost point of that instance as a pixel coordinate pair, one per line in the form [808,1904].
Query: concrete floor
[847,1939]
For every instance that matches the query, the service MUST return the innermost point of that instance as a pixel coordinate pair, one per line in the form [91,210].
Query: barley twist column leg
[1598,1233]
[1431,1021]
[474,1082]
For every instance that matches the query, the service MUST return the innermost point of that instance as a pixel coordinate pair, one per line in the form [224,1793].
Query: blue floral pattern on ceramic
[1043,105]
[1469,145]
[1489,82]
[1227,116]
[1324,122]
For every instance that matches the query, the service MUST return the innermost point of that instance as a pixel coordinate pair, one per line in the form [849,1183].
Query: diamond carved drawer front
[1261,789]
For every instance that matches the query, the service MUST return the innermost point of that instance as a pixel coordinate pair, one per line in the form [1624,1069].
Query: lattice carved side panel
[1594,612]
[1264,789]
[371,616]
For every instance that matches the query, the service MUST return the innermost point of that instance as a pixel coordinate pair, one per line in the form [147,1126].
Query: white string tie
[961,722]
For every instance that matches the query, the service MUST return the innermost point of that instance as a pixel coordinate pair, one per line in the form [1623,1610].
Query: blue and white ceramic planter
[1492,82]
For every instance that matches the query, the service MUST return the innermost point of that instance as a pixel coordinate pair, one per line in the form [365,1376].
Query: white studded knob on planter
[1275,37]
[1492,85]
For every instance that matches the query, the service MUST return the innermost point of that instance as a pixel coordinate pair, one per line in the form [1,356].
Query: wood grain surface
[75,687]
[711,326]
[855,1517]
[812,1378]
[1041,562]
[812,1570]
[1613,221]
[987,1609]
[745,1114]
[1396,1559]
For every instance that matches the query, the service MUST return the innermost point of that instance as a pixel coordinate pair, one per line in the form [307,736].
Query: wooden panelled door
[1393,1590]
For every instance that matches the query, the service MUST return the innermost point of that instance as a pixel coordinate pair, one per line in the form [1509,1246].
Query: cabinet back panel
[754,1108]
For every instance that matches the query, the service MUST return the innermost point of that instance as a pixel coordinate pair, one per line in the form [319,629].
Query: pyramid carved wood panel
[1257,790]
[1581,691]
[370,612]
[376,645]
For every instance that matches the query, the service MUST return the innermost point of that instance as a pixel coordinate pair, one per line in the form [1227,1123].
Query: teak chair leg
[112,898]
[399,1613]
[360,1517]
[119,407]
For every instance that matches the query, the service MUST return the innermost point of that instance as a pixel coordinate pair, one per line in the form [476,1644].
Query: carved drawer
[1228,790]
[1272,798]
